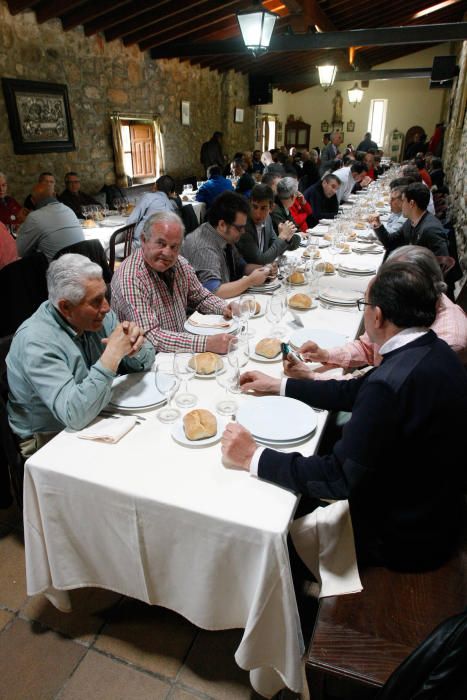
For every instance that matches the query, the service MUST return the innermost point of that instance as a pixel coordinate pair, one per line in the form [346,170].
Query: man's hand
[311,352]
[300,198]
[231,309]
[366,181]
[286,230]
[258,276]
[374,220]
[218,343]
[125,340]
[259,384]
[297,370]
[238,447]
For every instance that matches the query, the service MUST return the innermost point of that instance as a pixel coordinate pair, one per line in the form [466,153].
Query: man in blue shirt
[214,185]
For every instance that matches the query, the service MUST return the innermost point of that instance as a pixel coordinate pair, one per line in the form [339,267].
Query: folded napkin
[108,429]
[208,321]
[318,230]
[326,221]
[324,540]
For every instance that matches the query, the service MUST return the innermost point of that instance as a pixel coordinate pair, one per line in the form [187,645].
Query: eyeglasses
[361,303]
[241,228]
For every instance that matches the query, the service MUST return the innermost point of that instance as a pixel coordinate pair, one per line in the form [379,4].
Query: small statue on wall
[337,107]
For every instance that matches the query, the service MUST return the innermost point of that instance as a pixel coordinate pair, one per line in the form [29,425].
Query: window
[377,120]
[269,132]
[138,150]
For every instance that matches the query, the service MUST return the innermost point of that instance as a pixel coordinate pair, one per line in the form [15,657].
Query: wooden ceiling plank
[132,9]
[17,6]
[50,9]
[90,11]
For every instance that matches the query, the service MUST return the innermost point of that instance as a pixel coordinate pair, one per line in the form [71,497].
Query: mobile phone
[288,353]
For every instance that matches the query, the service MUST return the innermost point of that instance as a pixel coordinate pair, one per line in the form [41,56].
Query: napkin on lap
[208,320]
[108,429]
[324,540]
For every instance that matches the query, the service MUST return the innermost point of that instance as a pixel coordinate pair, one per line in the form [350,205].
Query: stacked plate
[114,221]
[266,288]
[277,420]
[135,392]
[323,338]
[340,297]
[358,270]
[209,330]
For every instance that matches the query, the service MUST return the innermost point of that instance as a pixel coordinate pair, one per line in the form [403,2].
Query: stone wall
[455,153]
[103,78]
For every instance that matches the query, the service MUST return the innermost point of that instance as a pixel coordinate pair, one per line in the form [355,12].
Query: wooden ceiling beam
[49,9]
[387,74]
[90,11]
[17,6]
[132,9]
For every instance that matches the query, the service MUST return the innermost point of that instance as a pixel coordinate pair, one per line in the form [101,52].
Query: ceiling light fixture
[327,75]
[355,95]
[256,25]
[434,8]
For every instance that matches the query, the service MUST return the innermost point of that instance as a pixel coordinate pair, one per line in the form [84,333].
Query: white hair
[161,217]
[67,277]
[286,188]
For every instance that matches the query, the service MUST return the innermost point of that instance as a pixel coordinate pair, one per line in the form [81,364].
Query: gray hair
[161,217]
[67,277]
[314,154]
[287,188]
[424,259]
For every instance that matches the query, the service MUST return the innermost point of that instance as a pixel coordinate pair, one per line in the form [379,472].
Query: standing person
[73,197]
[331,152]
[49,179]
[367,143]
[211,151]
[10,209]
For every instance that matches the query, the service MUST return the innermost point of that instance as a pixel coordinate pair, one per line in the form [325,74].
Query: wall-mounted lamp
[256,25]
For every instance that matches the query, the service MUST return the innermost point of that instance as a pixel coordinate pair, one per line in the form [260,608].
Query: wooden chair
[23,288]
[93,250]
[360,639]
[123,235]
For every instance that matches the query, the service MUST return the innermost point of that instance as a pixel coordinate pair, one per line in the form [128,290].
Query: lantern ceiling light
[355,95]
[327,75]
[256,25]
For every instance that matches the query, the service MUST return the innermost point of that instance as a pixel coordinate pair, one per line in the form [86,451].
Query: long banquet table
[170,525]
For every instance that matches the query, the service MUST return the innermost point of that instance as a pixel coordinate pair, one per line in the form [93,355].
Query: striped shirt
[139,294]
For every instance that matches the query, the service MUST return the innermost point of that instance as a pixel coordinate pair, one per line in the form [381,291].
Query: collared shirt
[149,204]
[260,234]
[140,294]
[48,230]
[394,222]
[204,249]
[344,176]
[55,376]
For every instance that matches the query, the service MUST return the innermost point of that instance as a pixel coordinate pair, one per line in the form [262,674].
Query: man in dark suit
[322,197]
[260,244]
[421,227]
[405,493]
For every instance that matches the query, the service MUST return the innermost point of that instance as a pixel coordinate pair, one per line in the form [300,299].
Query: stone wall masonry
[103,78]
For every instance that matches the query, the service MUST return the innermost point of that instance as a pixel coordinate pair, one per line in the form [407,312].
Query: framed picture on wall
[39,116]
[185,112]
[350,125]
[239,115]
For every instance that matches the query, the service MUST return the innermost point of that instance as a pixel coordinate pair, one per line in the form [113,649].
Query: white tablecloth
[172,526]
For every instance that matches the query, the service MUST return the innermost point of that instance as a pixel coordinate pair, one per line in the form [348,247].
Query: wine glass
[185,368]
[274,313]
[167,383]
[228,377]
[247,304]
[239,350]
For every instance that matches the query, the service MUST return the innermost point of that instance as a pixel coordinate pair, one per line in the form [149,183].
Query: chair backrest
[122,235]
[94,251]
[23,287]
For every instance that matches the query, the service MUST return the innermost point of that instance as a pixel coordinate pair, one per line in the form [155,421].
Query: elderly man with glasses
[212,251]
[73,197]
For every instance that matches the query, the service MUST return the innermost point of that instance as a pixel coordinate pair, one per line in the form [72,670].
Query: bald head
[41,191]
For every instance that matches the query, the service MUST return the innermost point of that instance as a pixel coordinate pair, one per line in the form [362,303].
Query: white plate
[323,243]
[179,436]
[197,330]
[324,338]
[114,221]
[326,222]
[135,391]
[278,418]
[284,443]
[260,358]
[340,296]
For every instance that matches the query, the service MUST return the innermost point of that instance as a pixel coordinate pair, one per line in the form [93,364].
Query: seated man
[161,199]
[211,249]
[213,186]
[422,228]
[73,197]
[49,180]
[245,181]
[63,359]
[396,218]
[50,228]
[10,209]
[450,325]
[155,286]
[405,498]
[323,199]
[260,244]
[348,176]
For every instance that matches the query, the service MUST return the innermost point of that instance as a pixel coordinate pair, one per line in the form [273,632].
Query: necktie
[229,259]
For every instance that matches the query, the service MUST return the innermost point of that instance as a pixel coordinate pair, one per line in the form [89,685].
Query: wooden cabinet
[297,133]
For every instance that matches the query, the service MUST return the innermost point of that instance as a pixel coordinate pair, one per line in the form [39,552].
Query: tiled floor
[109,648]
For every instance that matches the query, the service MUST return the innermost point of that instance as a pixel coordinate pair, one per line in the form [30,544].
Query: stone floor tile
[148,636]
[34,665]
[10,519]
[182,694]
[91,607]
[102,678]
[211,668]
[12,571]
[5,617]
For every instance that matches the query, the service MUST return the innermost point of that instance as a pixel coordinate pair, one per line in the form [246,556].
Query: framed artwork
[351,125]
[39,116]
[185,113]
[324,127]
[239,115]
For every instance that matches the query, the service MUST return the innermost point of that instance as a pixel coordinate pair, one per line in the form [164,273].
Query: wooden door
[142,150]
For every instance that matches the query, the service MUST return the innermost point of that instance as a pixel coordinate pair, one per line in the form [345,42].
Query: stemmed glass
[275,313]
[239,350]
[228,377]
[167,383]
[247,304]
[185,368]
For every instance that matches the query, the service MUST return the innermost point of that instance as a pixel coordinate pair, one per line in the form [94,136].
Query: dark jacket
[273,246]
[322,207]
[76,201]
[429,232]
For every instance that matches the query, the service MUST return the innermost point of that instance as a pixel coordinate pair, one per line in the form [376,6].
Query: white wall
[410,101]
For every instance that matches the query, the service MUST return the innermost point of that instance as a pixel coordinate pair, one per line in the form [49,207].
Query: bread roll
[306,253]
[205,362]
[268,347]
[89,223]
[325,267]
[360,225]
[199,424]
[296,278]
[257,308]
[300,301]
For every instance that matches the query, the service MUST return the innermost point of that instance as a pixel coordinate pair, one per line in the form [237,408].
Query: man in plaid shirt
[154,287]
